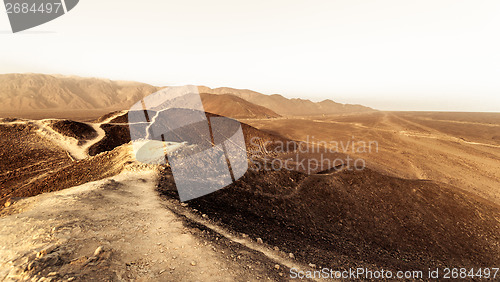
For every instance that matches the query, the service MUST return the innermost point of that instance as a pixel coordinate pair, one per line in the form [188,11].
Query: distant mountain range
[24,93]
[33,92]
[285,106]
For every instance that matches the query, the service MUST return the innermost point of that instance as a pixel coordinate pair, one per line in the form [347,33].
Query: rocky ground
[118,229]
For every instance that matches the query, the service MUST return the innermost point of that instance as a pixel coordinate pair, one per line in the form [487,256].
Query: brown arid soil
[77,206]
[47,155]
[118,229]
[54,235]
[349,219]
[460,149]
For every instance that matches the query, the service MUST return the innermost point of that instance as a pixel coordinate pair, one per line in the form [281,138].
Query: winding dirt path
[100,132]
[70,144]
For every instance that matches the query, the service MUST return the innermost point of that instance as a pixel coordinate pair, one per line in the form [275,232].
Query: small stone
[312,265]
[193,263]
[184,204]
[98,251]
[277,266]
[259,240]
[291,255]
[52,274]
[281,274]
[276,248]
[12,201]
[244,235]
[204,215]
[45,251]
[32,265]
[30,257]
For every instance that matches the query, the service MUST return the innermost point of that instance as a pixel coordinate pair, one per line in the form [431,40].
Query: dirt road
[118,229]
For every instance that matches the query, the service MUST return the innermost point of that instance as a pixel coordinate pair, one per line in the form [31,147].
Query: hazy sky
[388,54]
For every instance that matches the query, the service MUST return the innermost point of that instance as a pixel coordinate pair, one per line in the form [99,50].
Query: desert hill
[460,149]
[285,106]
[39,156]
[27,93]
[38,96]
[235,107]
[336,218]
[354,218]
[117,134]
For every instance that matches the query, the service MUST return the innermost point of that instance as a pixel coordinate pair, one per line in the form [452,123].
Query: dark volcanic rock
[77,130]
[116,135]
[109,115]
[357,218]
